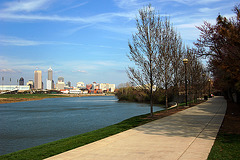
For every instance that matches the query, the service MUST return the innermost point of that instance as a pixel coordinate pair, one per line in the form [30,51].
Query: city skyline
[86,41]
[41,84]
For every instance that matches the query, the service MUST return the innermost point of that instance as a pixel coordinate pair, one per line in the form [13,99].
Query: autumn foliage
[220,43]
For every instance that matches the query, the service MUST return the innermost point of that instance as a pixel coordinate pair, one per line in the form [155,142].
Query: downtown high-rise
[38,79]
[50,82]
[50,74]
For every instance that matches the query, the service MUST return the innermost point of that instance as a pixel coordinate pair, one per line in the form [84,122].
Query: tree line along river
[31,123]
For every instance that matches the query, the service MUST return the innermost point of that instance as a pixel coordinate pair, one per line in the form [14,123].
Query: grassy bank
[226,147]
[53,148]
[227,143]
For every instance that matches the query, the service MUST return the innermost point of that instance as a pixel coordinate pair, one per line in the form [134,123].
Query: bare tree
[143,51]
[169,55]
[177,64]
[195,73]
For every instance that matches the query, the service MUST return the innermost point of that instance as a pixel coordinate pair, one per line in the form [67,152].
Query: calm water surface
[28,124]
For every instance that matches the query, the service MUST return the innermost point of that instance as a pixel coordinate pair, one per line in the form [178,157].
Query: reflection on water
[31,123]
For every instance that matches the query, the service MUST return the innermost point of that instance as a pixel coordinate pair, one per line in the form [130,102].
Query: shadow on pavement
[205,118]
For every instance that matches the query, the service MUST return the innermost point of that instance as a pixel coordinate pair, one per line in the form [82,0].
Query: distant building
[89,86]
[60,79]
[53,85]
[60,85]
[106,87]
[38,79]
[50,74]
[80,85]
[21,81]
[111,87]
[30,83]
[49,84]
[68,84]
[95,86]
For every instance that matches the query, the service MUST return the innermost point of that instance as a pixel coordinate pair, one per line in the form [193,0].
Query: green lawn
[56,147]
[226,147]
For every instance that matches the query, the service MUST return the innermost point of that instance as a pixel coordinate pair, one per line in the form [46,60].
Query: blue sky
[86,40]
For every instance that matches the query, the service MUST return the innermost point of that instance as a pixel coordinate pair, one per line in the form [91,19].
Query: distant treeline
[133,94]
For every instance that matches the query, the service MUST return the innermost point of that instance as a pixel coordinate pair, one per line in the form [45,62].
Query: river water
[28,124]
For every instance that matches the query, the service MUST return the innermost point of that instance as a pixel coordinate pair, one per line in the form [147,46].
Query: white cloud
[14,41]
[192,2]
[72,7]
[21,63]
[80,71]
[74,30]
[118,29]
[127,3]
[27,5]
[5,70]
[100,18]
[207,10]
[206,1]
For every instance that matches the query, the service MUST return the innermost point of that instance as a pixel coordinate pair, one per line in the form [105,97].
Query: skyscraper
[21,81]
[50,82]
[50,74]
[38,79]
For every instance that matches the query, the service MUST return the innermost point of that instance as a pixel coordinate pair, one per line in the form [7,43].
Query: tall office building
[50,82]
[50,74]
[21,81]
[38,79]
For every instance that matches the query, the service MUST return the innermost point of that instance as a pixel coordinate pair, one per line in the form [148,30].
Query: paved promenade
[186,135]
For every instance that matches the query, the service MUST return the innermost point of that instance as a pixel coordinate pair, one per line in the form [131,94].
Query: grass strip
[63,145]
[226,147]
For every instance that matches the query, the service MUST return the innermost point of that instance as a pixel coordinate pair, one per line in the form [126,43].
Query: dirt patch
[231,122]
[14,100]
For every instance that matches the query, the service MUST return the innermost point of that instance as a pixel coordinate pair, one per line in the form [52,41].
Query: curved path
[186,135]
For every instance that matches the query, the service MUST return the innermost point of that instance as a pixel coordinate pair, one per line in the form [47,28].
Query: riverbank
[56,147]
[13,98]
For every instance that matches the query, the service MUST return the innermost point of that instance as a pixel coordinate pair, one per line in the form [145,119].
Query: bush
[136,95]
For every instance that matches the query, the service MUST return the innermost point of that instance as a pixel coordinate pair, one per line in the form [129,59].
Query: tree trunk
[166,95]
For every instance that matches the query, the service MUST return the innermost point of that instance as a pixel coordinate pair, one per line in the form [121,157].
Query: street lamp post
[185,61]
[209,88]
[203,85]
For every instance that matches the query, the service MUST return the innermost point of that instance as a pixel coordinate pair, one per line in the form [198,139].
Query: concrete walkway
[186,135]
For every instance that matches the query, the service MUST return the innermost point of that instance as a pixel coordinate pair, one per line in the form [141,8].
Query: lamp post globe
[209,88]
[185,61]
